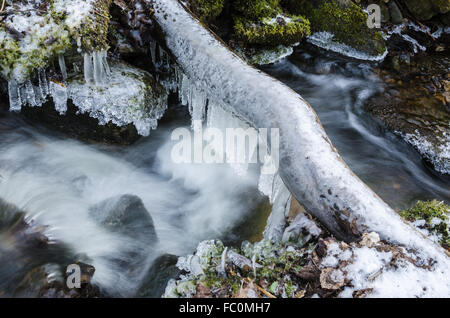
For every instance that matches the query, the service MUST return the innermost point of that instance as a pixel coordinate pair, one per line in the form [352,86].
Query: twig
[3,6]
[262,290]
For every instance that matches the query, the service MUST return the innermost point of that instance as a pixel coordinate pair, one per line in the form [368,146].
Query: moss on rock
[262,23]
[272,33]
[207,10]
[31,37]
[346,21]
[257,9]
[433,216]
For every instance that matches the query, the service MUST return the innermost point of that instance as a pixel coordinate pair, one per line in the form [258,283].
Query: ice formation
[41,35]
[325,41]
[437,153]
[118,94]
[310,166]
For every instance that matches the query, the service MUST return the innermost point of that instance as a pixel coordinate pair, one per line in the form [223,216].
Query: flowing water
[56,181]
[337,89]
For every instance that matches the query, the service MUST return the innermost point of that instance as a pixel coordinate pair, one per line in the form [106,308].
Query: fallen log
[310,166]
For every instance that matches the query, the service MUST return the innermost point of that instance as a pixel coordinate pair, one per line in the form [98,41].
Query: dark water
[55,180]
[337,90]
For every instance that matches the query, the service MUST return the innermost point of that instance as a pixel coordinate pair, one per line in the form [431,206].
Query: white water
[56,181]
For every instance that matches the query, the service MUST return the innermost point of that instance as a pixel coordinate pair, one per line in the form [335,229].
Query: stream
[56,180]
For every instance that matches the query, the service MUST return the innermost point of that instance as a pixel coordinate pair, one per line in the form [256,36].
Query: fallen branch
[310,166]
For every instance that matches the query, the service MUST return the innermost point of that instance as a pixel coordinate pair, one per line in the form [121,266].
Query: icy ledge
[310,166]
[437,153]
[120,94]
[325,41]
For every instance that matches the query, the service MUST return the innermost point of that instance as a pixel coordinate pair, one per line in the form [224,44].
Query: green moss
[272,34]
[207,10]
[93,32]
[430,211]
[257,9]
[20,57]
[346,21]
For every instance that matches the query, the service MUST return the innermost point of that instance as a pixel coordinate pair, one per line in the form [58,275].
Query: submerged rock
[416,105]
[128,216]
[32,265]
[426,9]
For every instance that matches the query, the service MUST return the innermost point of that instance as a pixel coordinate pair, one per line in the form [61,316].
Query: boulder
[263,23]
[345,22]
[163,269]
[415,105]
[126,215]
[426,9]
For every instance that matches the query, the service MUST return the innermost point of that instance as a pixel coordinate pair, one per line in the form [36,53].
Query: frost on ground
[308,263]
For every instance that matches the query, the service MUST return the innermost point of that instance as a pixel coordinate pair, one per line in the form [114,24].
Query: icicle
[98,68]
[281,201]
[15,102]
[62,66]
[153,52]
[88,69]
[29,93]
[223,261]
[197,104]
[43,84]
[59,95]
[105,64]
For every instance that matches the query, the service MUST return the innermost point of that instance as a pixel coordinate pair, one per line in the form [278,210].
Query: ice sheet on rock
[125,100]
[325,41]
[438,153]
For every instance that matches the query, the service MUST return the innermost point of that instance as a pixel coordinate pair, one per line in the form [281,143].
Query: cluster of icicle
[95,96]
[204,108]
[22,93]
[310,166]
